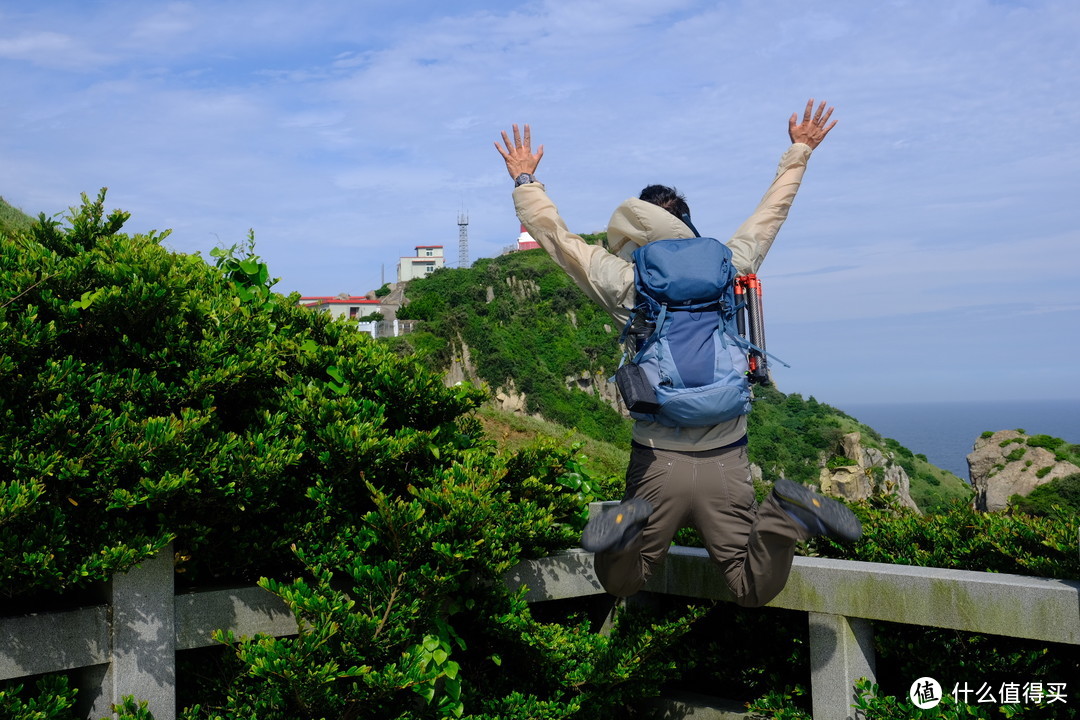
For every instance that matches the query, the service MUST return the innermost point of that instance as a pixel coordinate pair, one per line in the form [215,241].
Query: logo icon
[925,693]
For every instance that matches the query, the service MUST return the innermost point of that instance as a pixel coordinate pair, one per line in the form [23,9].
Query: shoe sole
[834,515]
[606,530]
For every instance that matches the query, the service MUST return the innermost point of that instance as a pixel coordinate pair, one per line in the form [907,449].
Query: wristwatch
[523,179]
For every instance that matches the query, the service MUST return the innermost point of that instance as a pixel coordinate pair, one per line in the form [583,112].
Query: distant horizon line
[957,401]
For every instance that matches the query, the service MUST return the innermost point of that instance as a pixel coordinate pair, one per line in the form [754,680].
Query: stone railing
[841,598]
[128,646]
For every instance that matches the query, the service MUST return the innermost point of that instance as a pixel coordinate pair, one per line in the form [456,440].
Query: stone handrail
[842,597]
[128,646]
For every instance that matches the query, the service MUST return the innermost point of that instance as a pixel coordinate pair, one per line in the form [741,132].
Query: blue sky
[932,254]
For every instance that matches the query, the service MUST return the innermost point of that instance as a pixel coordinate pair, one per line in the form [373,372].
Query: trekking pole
[755,320]
[740,305]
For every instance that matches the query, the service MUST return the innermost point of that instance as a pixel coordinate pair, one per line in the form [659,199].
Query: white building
[355,307]
[352,307]
[428,259]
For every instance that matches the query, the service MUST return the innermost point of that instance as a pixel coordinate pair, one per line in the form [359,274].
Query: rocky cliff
[1003,464]
[872,472]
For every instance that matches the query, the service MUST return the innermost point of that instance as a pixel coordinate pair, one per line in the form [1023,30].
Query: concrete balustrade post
[841,652]
[143,650]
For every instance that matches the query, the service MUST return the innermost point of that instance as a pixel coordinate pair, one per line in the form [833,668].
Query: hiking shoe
[614,528]
[817,513]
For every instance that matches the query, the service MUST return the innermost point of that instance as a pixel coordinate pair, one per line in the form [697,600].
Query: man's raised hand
[518,154]
[812,130]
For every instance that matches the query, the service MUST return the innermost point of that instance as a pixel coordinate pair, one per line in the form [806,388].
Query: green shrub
[152,398]
[1015,454]
[53,700]
[1045,441]
[963,538]
[1059,498]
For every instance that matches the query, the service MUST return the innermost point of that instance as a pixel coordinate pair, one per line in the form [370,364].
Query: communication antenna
[463,240]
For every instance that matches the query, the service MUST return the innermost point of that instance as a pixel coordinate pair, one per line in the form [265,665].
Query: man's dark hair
[666,197]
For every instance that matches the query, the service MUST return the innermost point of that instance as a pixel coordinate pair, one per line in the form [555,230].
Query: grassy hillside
[12,219]
[526,325]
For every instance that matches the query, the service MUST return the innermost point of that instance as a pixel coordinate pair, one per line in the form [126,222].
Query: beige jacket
[608,276]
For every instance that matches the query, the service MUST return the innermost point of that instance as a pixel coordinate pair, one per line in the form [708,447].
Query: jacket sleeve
[607,279]
[754,237]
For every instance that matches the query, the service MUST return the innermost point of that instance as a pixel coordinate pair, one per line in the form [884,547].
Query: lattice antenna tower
[463,239]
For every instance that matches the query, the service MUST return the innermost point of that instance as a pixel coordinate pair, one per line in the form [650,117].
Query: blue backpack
[689,366]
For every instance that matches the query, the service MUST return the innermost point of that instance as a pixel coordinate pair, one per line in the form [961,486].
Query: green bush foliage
[789,436]
[962,538]
[50,699]
[1063,451]
[1015,454]
[153,398]
[1059,498]
[1045,441]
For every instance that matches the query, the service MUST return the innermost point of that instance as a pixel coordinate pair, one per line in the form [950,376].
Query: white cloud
[48,49]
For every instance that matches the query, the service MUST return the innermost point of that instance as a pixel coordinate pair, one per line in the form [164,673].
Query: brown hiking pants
[712,491]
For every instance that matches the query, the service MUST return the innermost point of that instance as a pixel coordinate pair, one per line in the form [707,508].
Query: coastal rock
[1003,464]
[510,400]
[461,367]
[522,288]
[872,473]
[597,384]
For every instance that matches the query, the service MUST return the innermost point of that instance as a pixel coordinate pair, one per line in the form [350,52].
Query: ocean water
[945,432]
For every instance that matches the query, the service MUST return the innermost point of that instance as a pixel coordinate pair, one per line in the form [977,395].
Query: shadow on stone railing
[842,597]
[128,647]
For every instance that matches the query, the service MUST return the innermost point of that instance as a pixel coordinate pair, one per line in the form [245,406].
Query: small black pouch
[636,390]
